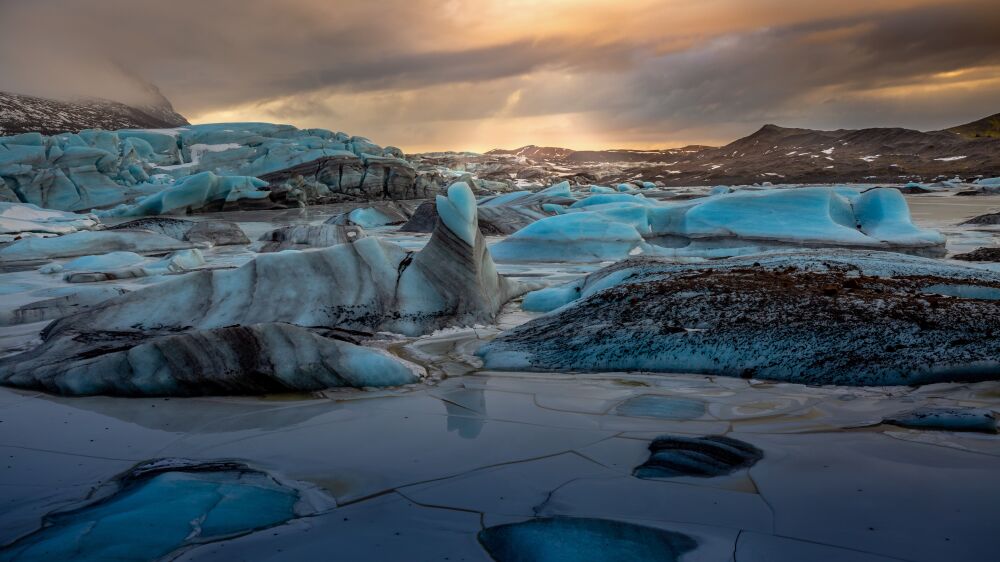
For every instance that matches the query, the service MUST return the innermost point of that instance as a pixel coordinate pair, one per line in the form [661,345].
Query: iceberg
[87,242]
[847,317]
[23,218]
[252,359]
[722,225]
[369,285]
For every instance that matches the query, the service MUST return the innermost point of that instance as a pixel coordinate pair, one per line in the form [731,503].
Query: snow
[870,158]
[950,158]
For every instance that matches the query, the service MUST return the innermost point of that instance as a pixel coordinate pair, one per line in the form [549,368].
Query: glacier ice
[713,455]
[157,508]
[583,236]
[369,285]
[88,242]
[562,539]
[849,317]
[722,225]
[98,169]
[302,237]
[947,419]
[21,218]
[192,193]
[250,359]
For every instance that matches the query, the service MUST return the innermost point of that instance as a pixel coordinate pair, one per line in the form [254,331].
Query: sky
[479,74]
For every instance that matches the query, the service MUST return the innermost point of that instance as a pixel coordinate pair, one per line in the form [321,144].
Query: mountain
[985,127]
[788,155]
[20,113]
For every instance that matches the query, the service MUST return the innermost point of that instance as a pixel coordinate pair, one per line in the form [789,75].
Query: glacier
[100,169]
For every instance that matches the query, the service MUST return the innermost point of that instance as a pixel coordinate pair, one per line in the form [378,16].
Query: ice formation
[21,218]
[95,168]
[947,419]
[368,285]
[714,455]
[211,232]
[157,508]
[819,317]
[88,242]
[499,215]
[613,225]
[303,237]
[252,359]
[583,540]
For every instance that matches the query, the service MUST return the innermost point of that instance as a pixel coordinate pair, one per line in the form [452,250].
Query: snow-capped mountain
[21,113]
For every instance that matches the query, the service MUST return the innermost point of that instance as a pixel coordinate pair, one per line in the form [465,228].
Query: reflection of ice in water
[467,413]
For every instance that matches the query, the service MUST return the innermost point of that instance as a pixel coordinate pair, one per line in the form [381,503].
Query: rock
[583,540]
[253,359]
[706,457]
[980,254]
[947,419]
[310,236]
[813,317]
[987,219]
[424,219]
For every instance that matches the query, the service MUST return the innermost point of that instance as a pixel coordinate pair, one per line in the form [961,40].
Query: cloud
[463,74]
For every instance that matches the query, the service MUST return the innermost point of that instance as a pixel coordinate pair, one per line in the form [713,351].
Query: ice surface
[88,242]
[947,419]
[853,310]
[18,218]
[583,540]
[722,225]
[583,236]
[458,212]
[154,514]
[191,193]
[96,169]
[232,360]
[706,457]
[102,262]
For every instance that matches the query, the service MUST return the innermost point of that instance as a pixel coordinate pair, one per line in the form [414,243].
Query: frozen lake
[417,472]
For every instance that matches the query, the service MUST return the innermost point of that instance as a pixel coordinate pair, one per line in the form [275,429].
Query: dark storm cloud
[425,61]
